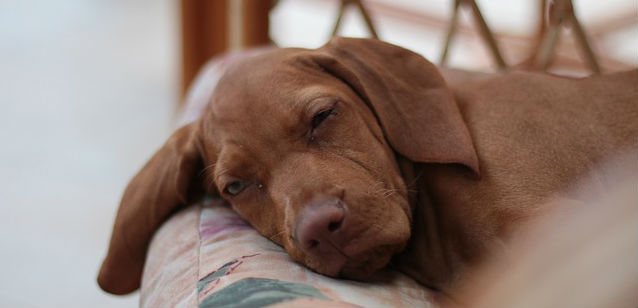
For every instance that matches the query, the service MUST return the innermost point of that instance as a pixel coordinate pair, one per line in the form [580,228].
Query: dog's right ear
[410,98]
[164,184]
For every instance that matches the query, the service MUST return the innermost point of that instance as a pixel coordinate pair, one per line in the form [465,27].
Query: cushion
[207,256]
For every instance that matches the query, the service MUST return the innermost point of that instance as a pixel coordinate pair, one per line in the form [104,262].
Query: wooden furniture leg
[484,32]
[364,12]
[487,35]
[561,14]
[204,34]
[451,31]
[588,53]
[206,30]
[547,46]
[255,22]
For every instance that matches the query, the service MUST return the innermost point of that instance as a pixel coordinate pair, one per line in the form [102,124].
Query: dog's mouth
[359,261]
[363,265]
[351,239]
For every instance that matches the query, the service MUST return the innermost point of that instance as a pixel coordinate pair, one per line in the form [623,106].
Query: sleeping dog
[361,154]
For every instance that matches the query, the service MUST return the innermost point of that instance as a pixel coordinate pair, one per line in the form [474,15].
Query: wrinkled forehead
[275,77]
[266,92]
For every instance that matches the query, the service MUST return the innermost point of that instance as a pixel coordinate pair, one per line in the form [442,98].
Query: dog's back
[578,255]
[535,135]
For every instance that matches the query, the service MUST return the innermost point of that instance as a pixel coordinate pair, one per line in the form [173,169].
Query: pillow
[207,256]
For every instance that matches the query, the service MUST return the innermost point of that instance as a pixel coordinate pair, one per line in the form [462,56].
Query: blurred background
[89,89]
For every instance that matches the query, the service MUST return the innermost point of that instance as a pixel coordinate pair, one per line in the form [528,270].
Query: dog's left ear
[169,179]
[408,95]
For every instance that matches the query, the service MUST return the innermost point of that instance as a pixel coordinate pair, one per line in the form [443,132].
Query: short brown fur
[483,153]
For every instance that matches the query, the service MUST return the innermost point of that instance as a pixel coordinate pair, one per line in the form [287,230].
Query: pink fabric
[207,256]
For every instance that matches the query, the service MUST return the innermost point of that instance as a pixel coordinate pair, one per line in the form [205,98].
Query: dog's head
[304,145]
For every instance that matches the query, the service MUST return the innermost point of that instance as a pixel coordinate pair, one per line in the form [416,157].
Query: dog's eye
[235,188]
[320,117]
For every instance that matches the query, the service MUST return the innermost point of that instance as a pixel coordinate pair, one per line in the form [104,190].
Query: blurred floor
[87,93]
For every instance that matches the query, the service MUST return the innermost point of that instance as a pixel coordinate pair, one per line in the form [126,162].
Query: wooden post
[487,35]
[451,31]
[561,14]
[364,12]
[206,30]
[204,34]
[484,32]
[255,30]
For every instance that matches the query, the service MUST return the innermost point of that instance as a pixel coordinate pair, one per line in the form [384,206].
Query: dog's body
[320,151]
[534,135]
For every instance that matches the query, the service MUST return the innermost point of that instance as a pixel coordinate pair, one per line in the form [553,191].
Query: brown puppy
[321,149]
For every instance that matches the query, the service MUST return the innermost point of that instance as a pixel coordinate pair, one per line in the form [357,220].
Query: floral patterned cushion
[207,256]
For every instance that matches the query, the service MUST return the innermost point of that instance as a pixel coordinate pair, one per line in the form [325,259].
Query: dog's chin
[360,267]
[364,265]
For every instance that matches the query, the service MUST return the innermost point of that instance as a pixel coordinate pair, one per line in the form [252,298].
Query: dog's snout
[318,227]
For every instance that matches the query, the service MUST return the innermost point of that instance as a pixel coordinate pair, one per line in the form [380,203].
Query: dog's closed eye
[324,113]
[321,116]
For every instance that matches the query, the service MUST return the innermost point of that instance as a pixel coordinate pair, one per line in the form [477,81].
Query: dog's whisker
[206,168]
[390,192]
[374,186]
[416,178]
[272,238]
[382,191]
[209,183]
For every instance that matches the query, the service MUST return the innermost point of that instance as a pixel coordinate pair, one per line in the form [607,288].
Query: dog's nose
[318,227]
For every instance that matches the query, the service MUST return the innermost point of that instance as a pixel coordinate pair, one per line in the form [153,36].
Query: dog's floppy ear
[163,184]
[408,95]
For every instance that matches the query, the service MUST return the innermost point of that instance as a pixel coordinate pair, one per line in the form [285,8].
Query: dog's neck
[435,254]
[410,178]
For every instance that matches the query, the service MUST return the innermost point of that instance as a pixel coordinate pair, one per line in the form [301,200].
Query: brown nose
[318,228]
